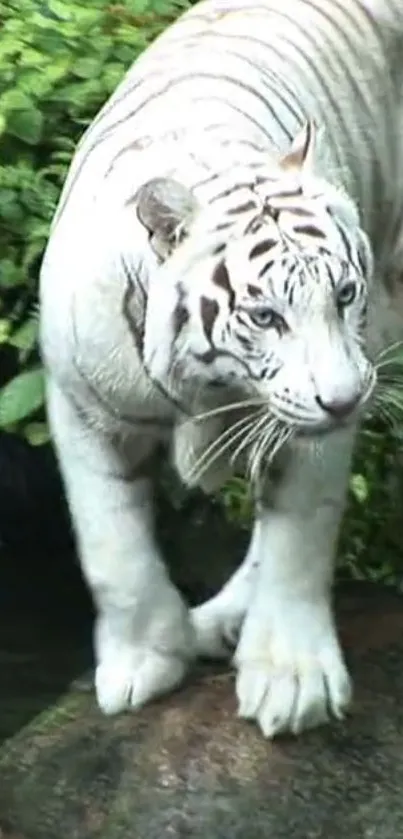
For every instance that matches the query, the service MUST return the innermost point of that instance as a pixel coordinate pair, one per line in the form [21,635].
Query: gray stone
[186,767]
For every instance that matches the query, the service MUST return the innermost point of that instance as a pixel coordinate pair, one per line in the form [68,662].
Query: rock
[186,767]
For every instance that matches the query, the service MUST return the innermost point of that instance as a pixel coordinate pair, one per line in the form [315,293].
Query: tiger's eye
[266,318]
[346,295]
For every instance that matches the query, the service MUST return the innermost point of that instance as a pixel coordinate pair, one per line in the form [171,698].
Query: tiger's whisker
[259,448]
[215,448]
[196,475]
[232,406]
[252,433]
[381,355]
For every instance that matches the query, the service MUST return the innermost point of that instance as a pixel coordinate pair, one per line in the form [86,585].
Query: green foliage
[25,388]
[59,61]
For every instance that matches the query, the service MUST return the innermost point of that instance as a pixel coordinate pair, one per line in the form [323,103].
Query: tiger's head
[264,292]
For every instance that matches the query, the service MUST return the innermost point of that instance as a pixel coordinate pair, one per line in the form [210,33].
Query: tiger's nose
[339,408]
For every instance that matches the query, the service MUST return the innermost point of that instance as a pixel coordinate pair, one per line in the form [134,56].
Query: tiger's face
[275,308]
[285,324]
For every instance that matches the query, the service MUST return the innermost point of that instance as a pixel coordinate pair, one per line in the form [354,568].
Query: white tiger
[213,250]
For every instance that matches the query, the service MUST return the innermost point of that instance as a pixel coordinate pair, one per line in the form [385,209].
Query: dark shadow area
[45,610]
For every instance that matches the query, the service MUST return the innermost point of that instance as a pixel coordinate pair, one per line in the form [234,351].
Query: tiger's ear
[166,208]
[343,208]
[303,149]
[365,254]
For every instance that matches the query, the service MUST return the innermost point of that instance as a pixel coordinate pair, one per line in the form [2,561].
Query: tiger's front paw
[289,684]
[135,677]
[134,668]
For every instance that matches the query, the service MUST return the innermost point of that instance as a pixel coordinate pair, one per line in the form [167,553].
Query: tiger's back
[253,72]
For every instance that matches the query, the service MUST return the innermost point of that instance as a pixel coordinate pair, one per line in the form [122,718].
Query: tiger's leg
[143,635]
[291,673]
[218,621]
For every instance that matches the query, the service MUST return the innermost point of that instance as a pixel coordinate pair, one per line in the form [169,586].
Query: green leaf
[87,68]
[26,336]
[32,58]
[359,488]
[4,330]
[21,397]
[15,100]
[10,207]
[37,433]
[26,125]
[59,9]
[10,274]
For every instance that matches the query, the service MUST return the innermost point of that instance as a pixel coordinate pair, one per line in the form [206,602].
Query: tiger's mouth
[323,427]
[323,430]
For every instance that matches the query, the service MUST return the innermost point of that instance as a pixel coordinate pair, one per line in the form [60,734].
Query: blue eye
[346,295]
[266,318]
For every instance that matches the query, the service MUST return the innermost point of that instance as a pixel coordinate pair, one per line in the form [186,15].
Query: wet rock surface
[186,767]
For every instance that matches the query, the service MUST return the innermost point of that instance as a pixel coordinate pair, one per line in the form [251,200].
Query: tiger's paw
[217,625]
[294,686]
[135,676]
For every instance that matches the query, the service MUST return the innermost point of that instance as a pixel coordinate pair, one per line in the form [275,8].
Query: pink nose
[339,408]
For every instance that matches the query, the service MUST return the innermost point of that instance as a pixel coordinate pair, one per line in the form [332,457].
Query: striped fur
[222,269]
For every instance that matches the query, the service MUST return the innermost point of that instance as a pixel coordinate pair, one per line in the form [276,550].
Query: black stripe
[245,341]
[248,206]
[266,268]
[274,372]
[309,230]
[136,327]
[297,211]
[262,247]
[346,242]
[208,312]
[206,181]
[221,278]
[230,190]
[293,193]
[180,316]
[223,225]
[254,290]
[266,73]
[117,98]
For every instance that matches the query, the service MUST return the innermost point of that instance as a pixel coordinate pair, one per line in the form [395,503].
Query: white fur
[218,621]
[144,639]
[291,673]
